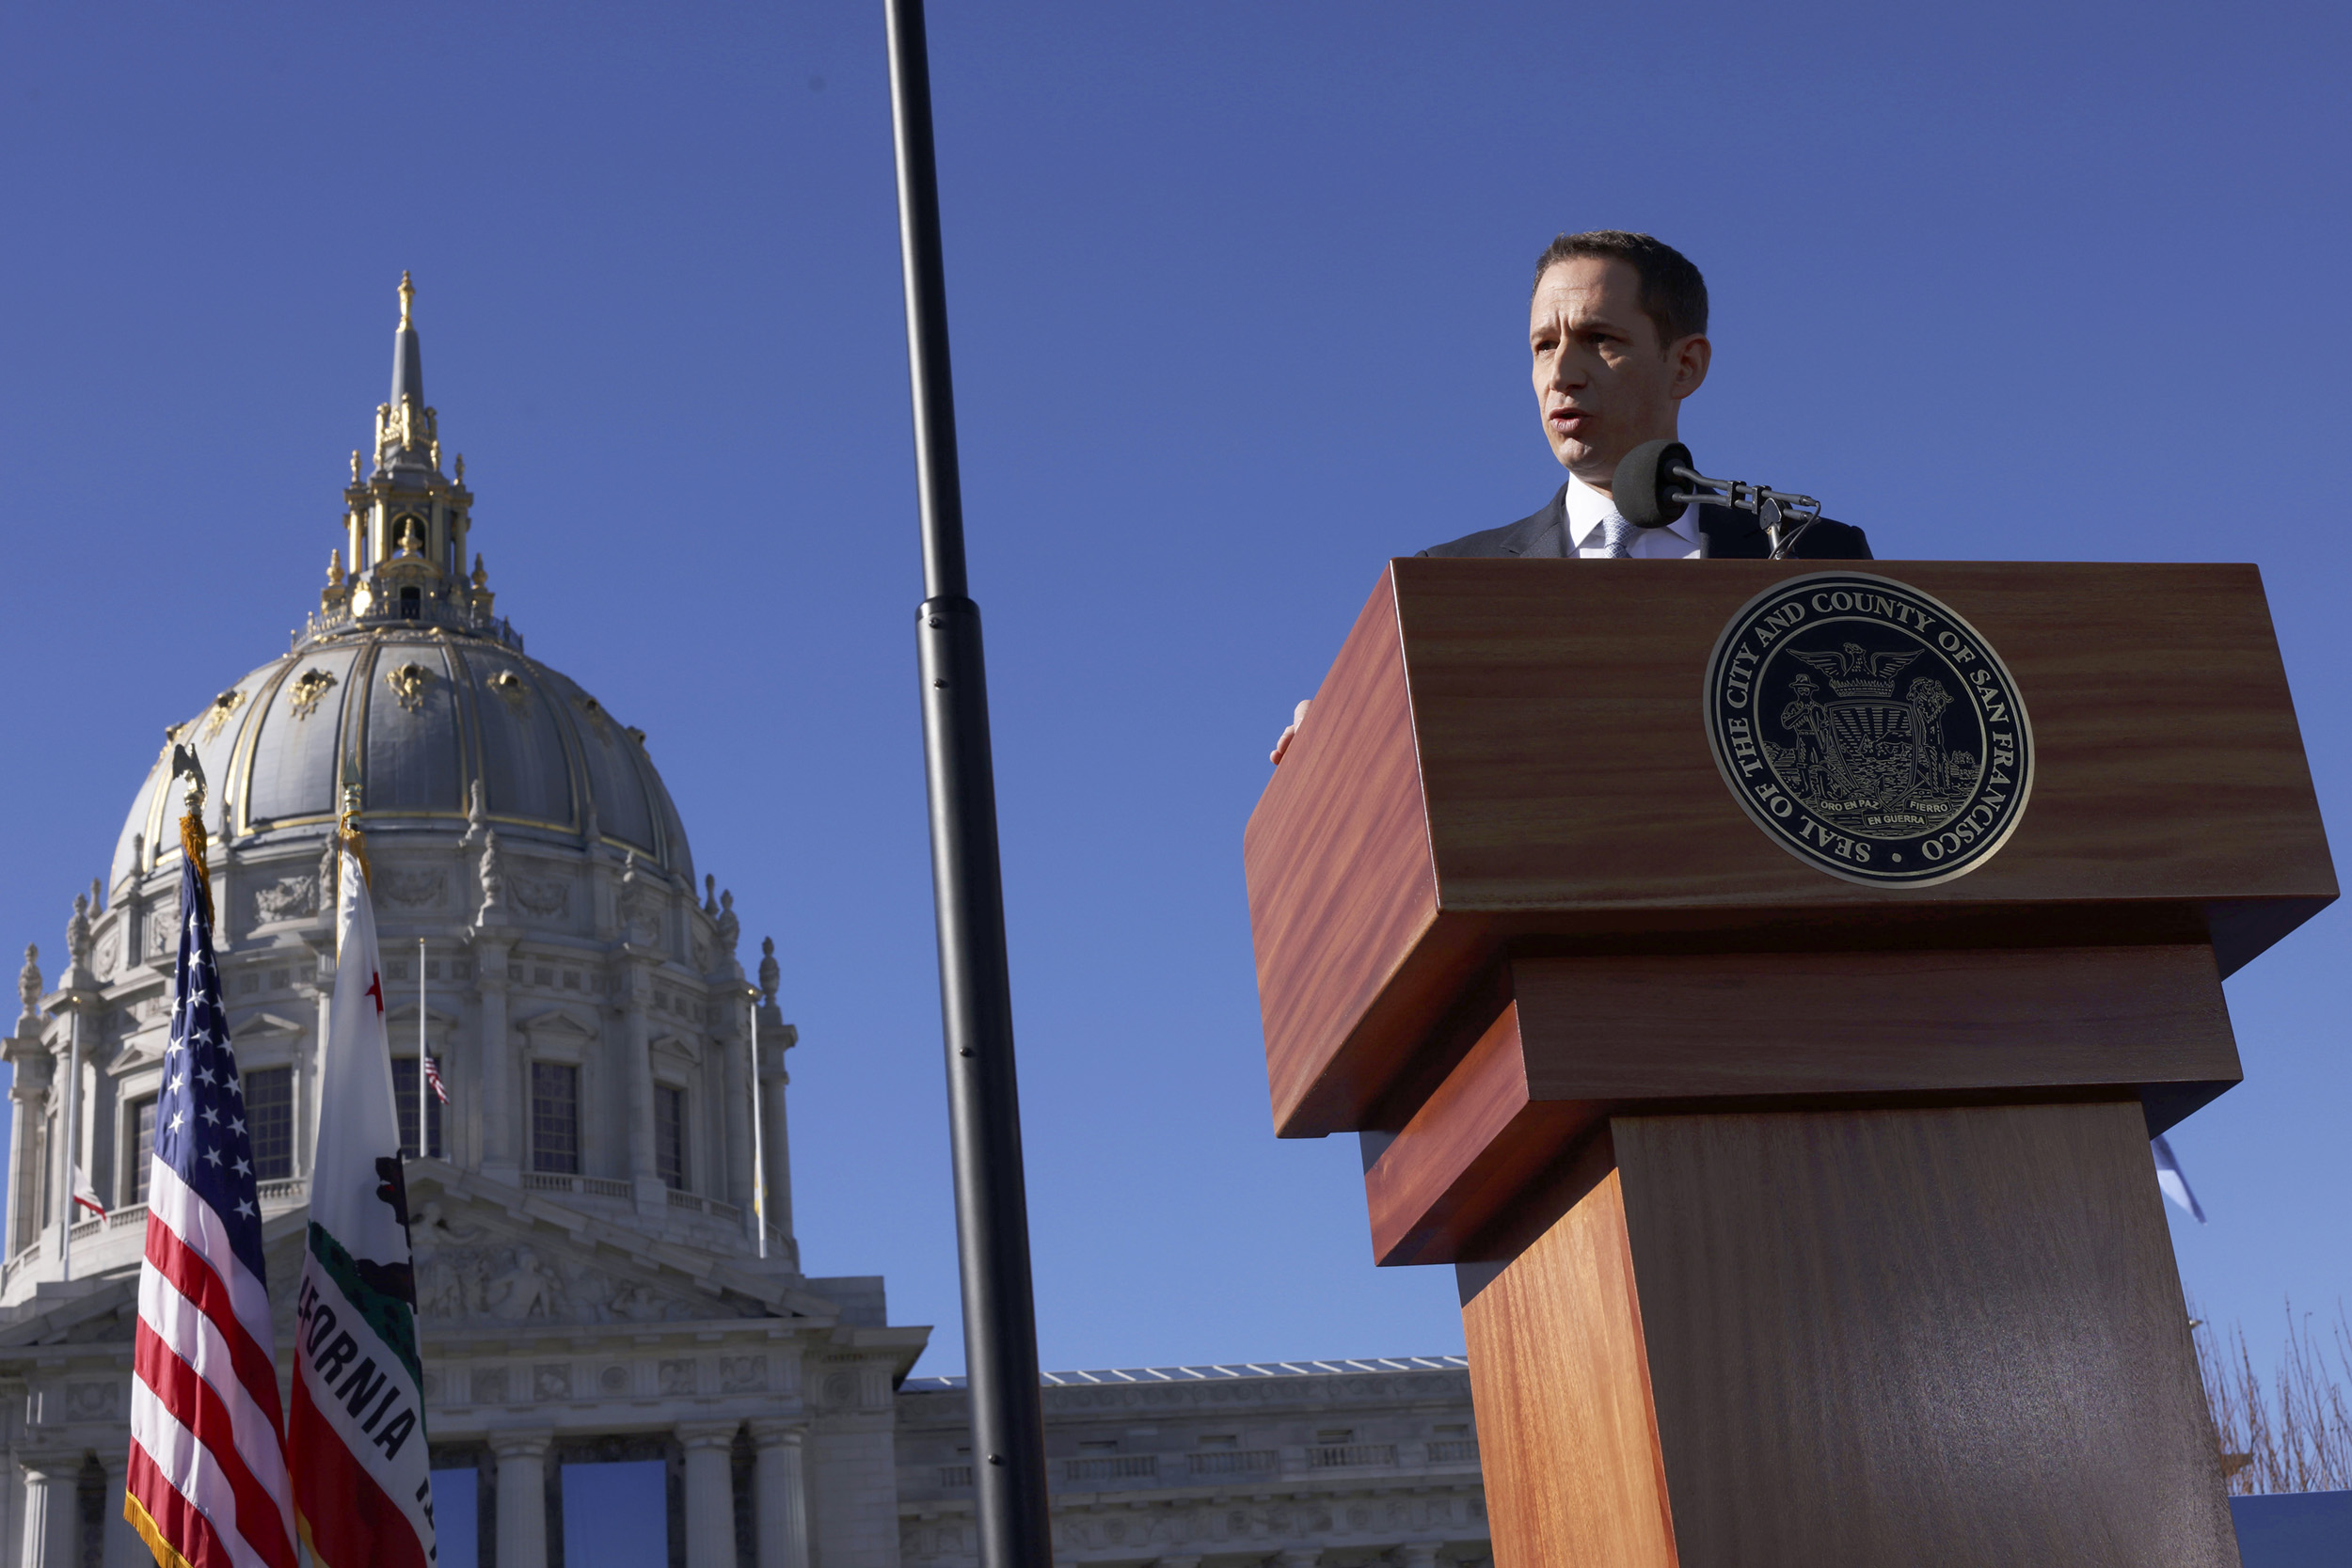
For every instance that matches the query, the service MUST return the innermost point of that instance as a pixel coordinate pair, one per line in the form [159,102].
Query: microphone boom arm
[1771,508]
[1646,494]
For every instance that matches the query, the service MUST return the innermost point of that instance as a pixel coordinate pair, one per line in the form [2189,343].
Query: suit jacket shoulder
[1542,532]
[1731,535]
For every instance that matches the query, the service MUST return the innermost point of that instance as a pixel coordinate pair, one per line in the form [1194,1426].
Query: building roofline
[1216,1374]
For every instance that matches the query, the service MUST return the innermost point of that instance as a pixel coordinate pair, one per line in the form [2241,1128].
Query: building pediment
[478,1266]
[264,1024]
[557,1024]
[492,1258]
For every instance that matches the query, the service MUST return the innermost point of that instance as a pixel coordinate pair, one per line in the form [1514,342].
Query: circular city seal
[1868,730]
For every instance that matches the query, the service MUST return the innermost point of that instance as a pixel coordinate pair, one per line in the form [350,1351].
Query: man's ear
[1690,358]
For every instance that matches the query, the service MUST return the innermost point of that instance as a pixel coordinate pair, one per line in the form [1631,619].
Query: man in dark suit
[1617,328]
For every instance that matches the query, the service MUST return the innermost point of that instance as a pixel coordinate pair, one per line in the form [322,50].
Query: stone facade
[595,1279]
[1343,1463]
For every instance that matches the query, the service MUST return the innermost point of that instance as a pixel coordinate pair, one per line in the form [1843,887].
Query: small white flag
[2175,1185]
[86,1196]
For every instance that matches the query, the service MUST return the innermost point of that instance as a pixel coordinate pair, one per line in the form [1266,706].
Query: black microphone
[1647,488]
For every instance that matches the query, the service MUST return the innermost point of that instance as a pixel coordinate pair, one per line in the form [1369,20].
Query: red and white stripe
[207,1447]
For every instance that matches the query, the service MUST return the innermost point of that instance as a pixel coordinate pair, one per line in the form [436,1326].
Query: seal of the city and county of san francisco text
[1868,730]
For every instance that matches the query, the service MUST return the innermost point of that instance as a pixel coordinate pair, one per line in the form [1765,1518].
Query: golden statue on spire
[408,292]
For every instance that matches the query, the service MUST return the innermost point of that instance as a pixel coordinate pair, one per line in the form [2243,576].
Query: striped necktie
[1616,532]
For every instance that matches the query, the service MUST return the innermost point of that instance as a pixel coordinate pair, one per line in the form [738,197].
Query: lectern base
[1847,1339]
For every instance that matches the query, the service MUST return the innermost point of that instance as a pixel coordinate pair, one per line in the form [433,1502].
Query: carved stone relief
[544,897]
[598,719]
[90,1400]
[412,889]
[643,920]
[466,1275]
[308,687]
[742,1374]
[287,898]
[409,682]
[677,1377]
[218,715]
[162,926]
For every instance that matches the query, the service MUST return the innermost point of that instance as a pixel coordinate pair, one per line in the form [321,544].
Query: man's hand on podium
[1282,742]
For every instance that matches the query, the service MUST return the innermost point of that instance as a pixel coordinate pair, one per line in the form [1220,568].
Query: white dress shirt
[1677,540]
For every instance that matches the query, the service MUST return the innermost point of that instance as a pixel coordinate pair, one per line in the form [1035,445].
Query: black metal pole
[967,885]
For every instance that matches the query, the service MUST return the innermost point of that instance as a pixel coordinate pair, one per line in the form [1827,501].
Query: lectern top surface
[1516,750]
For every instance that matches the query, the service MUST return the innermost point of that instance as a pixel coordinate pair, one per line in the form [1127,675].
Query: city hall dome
[406,690]
[416,720]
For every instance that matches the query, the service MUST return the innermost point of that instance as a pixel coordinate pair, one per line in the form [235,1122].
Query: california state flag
[362,1483]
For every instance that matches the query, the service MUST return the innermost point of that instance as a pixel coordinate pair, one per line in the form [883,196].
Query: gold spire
[334,568]
[408,292]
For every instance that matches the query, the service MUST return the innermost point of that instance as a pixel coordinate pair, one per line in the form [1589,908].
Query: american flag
[433,1078]
[207,1482]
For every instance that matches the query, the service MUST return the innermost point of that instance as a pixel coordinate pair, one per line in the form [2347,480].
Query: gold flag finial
[408,292]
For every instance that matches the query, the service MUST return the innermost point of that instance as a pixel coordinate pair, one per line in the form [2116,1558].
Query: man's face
[1603,382]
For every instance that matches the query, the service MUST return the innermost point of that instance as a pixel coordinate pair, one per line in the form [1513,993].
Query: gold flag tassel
[347,832]
[193,838]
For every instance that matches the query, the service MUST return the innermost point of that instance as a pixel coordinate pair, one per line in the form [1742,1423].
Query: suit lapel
[1542,536]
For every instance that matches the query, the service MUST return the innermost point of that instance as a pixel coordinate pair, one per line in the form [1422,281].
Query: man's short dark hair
[1674,295]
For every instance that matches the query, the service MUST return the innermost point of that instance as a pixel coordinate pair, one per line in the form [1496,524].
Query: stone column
[500,1127]
[522,1456]
[782,1502]
[735,1047]
[52,1515]
[645,1177]
[27,1095]
[69,1113]
[709,1493]
[776,1037]
[124,1547]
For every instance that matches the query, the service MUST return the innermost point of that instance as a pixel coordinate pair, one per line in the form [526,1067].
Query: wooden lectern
[1799,1222]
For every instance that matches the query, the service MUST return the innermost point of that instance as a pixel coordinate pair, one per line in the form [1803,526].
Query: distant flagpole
[759,1141]
[73,1116]
[424,1145]
[206,1481]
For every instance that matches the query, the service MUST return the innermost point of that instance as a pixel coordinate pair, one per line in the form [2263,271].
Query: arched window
[411,603]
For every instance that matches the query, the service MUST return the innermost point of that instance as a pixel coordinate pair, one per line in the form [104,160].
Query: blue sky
[1238,301]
